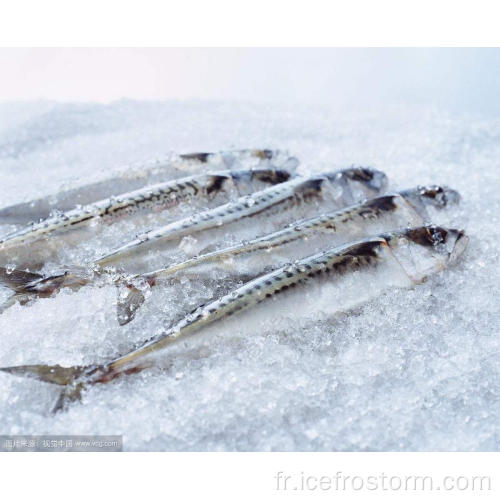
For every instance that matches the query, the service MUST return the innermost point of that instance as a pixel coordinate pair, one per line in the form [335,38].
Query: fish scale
[137,176]
[259,289]
[438,247]
[412,199]
[404,207]
[269,201]
[160,196]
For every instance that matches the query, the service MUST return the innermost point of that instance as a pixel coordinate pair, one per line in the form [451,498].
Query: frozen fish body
[139,205]
[355,271]
[251,214]
[136,177]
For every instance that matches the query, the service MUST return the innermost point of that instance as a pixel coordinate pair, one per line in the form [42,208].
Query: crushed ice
[411,369]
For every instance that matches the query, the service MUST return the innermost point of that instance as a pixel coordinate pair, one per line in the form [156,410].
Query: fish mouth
[453,242]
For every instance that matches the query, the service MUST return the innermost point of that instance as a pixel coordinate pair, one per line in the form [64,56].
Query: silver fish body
[248,259]
[437,247]
[135,177]
[431,249]
[391,211]
[139,203]
[332,190]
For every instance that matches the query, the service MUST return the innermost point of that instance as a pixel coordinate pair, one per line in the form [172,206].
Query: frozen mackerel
[146,174]
[143,201]
[249,258]
[277,203]
[397,259]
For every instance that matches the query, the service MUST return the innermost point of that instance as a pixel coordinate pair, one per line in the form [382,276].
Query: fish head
[356,184]
[450,241]
[438,197]
[263,154]
[374,181]
[427,249]
[363,183]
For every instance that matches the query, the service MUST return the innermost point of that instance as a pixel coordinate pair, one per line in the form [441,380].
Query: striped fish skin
[353,222]
[147,174]
[442,245]
[150,198]
[352,217]
[355,184]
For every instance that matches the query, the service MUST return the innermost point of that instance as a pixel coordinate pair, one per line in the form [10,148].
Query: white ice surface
[411,370]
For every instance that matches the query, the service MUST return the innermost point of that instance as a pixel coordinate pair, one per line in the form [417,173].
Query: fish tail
[53,374]
[67,377]
[16,279]
[68,395]
[16,298]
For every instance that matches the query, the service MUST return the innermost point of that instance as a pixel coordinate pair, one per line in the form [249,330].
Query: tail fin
[16,298]
[54,374]
[68,395]
[130,298]
[16,279]
[63,376]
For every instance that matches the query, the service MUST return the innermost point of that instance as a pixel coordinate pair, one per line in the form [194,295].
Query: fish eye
[436,235]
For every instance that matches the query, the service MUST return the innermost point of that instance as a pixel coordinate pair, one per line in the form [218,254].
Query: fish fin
[71,379]
[53,374]
[16,298]
[16,279]
[130,298]
[69,394]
